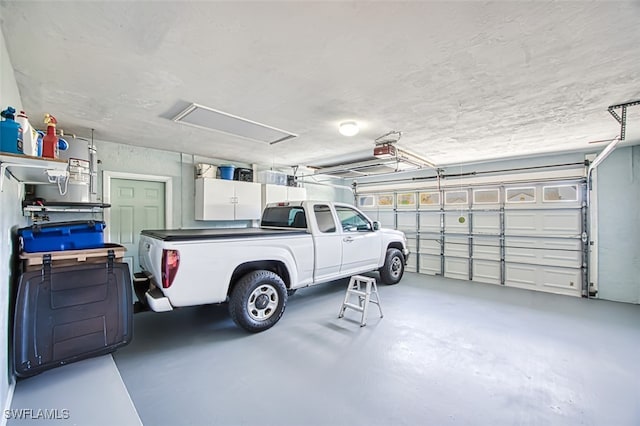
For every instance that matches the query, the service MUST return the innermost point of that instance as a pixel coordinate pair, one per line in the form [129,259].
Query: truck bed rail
[211,234]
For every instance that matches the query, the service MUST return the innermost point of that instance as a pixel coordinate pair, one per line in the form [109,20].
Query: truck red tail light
[170,264]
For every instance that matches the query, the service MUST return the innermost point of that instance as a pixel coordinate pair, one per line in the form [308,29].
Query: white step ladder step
[354,307]
[366,291]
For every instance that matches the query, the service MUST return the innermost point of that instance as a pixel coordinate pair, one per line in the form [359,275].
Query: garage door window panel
[366,201]
[406,200]
[456,198]
[486,196]
[560,193]
[384,201]
[521,195]
[429,200]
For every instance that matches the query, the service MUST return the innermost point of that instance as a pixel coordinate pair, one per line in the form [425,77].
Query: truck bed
[212,234]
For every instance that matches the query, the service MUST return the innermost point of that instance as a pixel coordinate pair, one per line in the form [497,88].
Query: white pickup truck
[298,244]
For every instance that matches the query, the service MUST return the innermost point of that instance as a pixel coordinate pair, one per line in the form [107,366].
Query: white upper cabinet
[276,193]
[219,199]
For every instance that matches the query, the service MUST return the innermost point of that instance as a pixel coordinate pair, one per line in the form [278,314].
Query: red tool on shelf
[50,140]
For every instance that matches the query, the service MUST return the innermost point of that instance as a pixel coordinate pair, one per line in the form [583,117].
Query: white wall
[618,185]
[115,157]
[9,93]
[181,167]
[10,219]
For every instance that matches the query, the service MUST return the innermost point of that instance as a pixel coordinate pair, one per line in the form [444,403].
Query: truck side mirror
[376,225]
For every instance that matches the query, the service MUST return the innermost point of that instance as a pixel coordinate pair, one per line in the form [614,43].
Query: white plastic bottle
[29,135]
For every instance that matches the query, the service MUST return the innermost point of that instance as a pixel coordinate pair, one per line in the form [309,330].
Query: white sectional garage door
[527,234]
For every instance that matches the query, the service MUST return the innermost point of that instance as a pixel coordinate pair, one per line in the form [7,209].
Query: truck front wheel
[393,268]
[258,300]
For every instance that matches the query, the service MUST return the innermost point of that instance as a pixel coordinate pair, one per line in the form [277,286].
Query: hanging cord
[461,218]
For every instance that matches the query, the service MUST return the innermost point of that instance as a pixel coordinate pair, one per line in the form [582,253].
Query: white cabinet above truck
[276,193]
[220,199]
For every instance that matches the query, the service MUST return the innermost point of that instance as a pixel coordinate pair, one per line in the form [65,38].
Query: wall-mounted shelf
[31,170]
[63,207]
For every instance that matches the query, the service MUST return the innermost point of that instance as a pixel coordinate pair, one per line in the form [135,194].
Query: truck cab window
[285,217]
[297,218]
[324,218]
[352,220]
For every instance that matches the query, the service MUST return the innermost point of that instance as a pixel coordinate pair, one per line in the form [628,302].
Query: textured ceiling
[463,81]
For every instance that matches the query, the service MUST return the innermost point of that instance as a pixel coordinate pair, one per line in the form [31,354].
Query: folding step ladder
[364,288]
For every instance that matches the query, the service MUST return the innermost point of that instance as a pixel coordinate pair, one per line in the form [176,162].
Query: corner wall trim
[8,401]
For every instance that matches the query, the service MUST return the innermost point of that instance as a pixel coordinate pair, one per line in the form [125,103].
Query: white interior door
[135,205]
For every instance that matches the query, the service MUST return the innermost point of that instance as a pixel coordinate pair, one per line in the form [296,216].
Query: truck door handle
[347,239]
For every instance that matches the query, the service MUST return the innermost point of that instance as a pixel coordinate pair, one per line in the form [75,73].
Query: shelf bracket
[622,120]
[45,169]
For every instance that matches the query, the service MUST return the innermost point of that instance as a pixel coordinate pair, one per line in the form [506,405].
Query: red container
[50,140]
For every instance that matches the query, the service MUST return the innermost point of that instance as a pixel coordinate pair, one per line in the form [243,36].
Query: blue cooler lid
[30,231]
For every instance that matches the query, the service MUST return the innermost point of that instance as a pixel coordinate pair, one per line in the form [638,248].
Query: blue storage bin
[76,235]
[226,171]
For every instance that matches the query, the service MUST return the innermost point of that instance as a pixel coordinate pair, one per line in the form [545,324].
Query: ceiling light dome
[349,128]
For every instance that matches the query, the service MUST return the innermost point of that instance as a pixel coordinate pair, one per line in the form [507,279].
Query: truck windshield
[284,217]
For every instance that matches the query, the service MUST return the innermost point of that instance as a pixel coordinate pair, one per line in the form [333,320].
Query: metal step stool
[364,288]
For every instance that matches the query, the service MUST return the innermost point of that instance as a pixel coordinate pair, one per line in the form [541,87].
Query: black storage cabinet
[69,313]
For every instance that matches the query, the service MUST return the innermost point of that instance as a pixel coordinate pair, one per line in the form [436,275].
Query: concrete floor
[446,352]
[88,392]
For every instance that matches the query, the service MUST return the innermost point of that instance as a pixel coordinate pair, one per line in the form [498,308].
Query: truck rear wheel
[393,268]
[258,300]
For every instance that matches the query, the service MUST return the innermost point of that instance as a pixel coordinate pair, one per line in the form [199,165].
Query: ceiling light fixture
[349,128]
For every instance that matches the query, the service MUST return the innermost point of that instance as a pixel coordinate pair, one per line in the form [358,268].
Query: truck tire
[393,268]
[258,300]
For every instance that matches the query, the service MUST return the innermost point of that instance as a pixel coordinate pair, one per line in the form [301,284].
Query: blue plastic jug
[10,133]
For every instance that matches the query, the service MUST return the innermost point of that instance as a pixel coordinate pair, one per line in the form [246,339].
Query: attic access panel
[211,119]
